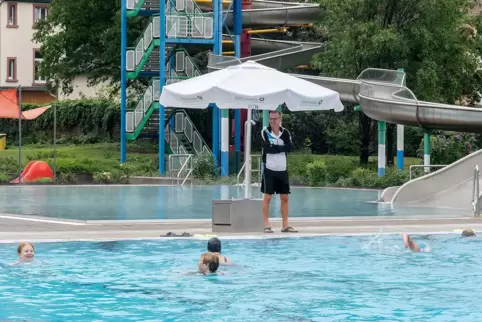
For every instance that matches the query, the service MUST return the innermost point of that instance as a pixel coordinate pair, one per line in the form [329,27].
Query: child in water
[26,253]
[208,263]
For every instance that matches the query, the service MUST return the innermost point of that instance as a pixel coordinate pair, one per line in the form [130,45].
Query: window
[11,69]
[37,60]
[40,12]
[12,15]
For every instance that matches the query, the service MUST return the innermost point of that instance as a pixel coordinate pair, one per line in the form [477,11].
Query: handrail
[183,167]
[425,166]
[476,193]
[240,173]
[187,176]
[257,169]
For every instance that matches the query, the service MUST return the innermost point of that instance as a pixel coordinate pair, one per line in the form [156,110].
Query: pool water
[167,202]
[369,278]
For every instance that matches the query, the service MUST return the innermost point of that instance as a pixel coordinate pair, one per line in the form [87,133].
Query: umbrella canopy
[250,85]
[9,108]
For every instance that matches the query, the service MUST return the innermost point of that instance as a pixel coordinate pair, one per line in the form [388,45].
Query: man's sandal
[289,230]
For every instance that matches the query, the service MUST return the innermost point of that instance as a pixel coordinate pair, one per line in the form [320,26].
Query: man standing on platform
[276,143]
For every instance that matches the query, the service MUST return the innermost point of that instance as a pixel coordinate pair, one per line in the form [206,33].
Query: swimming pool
[289,279]
[167,202]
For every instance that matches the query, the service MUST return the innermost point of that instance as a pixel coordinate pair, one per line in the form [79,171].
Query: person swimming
[26,253]
[214,246]
[208,263]
[414,247]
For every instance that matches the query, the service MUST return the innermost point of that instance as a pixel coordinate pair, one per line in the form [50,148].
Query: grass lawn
[88,158]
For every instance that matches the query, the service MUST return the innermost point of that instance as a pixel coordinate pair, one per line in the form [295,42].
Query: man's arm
[287,141]
[267,146]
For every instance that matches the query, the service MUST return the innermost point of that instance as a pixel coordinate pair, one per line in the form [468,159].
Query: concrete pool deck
[16,228]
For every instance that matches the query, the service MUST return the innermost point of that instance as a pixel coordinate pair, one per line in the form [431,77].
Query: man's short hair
[214,245]
[275,111]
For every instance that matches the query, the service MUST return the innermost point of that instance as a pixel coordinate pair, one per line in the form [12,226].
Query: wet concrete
[15,228]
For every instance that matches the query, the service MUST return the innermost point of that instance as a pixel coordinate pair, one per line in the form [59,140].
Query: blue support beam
[238,26]
[162,81]
[123,142]
[217,50]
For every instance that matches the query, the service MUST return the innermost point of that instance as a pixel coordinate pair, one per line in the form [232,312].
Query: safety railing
[255,169]
[180,167]
[195,25]
[425,168]
[135,117]
[183,125]
[132,4]
[179,6]
[476,193]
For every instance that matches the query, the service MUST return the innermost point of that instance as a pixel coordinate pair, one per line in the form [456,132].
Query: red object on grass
[35,170]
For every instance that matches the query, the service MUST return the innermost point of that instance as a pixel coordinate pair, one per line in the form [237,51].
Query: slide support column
[382,158]
[426,151]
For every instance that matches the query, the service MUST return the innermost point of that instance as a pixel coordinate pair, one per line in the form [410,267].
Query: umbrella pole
[20,134]
[247,155]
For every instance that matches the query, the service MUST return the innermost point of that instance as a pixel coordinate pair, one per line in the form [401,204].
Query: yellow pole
[266,31]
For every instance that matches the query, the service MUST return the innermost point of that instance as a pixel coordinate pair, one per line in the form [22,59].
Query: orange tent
[9,107]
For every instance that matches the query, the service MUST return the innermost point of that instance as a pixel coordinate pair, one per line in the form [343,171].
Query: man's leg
[266,201]
[267,188]
[283,188]
[284,210]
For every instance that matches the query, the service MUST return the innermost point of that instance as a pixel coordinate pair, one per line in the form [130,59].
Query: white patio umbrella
[250,86]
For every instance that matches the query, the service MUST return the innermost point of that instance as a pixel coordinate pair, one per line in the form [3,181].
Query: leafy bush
[366,178]
[338,167]
[316,172]
[448,147]
[329,170]
[204,166]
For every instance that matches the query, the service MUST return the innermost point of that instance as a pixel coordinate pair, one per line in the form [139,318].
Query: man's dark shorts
[275,182]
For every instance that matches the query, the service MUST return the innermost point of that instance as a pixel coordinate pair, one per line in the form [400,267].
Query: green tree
[428,38]
[82,37]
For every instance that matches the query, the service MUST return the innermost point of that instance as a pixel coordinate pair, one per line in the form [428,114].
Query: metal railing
[135,117]
[425,166]
[476,193]
[253,169]
[183,125]
[185,160]
[199,26]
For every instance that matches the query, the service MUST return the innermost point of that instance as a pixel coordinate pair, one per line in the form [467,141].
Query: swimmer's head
[214,245]
[26,251]
[468,233]
[211,262]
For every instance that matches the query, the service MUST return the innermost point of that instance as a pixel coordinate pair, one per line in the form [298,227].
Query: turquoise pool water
[165,202]
[291,279]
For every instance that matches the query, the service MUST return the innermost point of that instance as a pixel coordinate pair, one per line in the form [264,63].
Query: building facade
[19,54]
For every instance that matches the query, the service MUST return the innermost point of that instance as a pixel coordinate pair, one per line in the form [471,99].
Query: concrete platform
[15,228]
